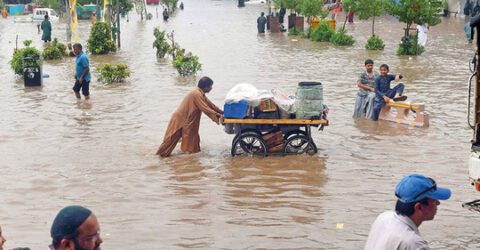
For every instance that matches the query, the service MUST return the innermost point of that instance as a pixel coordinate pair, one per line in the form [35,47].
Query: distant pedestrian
[165,15]
[4,13]
[417,202]
[422,34]
[350,16]
[282,14]
[467,9]
[93,18]
[181,6]
[75,227]
[261,21]
[47,30]
[82,75]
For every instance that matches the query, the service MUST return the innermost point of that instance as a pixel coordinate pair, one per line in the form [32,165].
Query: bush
[111,73]
[375,43]
[160,43]
[323,32]
[186,63]
[149,16]
[294,31]
[100,41]
[17,60]
[341,38]
[55,50]
[409,46]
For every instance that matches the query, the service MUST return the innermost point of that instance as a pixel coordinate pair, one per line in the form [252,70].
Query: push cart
[272,136]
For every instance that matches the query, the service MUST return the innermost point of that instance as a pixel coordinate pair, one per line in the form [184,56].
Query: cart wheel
[245,132]
[294,132]
[249,143]
[299,144]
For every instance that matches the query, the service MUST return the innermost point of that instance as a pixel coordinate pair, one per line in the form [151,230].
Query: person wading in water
[185,122]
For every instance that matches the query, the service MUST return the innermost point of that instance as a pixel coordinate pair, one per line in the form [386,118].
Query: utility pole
[118,23]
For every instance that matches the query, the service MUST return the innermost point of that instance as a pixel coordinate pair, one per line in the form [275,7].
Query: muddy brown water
[56,151]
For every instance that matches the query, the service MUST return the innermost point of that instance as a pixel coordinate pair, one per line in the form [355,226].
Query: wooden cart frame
[249,134]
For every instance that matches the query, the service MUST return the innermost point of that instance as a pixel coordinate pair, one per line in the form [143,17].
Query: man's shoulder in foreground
[392,231]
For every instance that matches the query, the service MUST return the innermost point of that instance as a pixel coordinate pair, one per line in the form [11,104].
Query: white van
[39,14]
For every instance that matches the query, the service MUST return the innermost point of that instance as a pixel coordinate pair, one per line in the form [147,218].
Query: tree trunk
[345,22]
[407,33]
[373,25]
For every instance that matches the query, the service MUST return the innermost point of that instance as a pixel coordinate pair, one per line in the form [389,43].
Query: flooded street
[56,151]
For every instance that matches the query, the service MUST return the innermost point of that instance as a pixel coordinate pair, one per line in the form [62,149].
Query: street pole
[118,23]
[69,28]
[98,9]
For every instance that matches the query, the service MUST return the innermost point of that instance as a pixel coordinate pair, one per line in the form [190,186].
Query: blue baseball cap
[415,187]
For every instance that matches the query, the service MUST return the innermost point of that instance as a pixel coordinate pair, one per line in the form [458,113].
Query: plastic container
[309,91]
[309,100]
[236,110]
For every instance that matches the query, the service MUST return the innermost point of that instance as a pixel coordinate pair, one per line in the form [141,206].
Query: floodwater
[56,151]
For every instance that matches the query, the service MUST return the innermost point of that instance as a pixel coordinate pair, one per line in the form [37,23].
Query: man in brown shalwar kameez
[185,121]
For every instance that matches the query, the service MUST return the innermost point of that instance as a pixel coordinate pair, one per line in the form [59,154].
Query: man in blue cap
[417,202]
[75,228]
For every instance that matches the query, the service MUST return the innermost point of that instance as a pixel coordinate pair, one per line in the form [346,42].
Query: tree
[125,5]
[53,4]
[370,8]
[416,11]
[295,5]
[311,9]
[100,41]
[170,5]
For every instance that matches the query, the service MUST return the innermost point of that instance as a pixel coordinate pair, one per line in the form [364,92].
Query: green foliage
[311,8]
[111,73]
[160,43]
[409,46]
[341,38]
[295,5]
[294,31]
[370,8]
[186,64]
[323,32]
[55,50]
[149,16]
[27,43]
[100,41]
[125,5]
[17,60]
[375,43]
[416,11]
[53,4]
[170,5]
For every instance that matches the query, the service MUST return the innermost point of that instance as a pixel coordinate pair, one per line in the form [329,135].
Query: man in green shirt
[47,30]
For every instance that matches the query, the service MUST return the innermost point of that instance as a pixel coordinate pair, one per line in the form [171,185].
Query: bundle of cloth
[254,96]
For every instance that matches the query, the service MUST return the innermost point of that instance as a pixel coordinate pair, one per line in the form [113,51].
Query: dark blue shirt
[81,64]
[382,85]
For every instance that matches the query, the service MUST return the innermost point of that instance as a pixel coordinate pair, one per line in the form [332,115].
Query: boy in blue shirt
[383,92]
[82,75]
